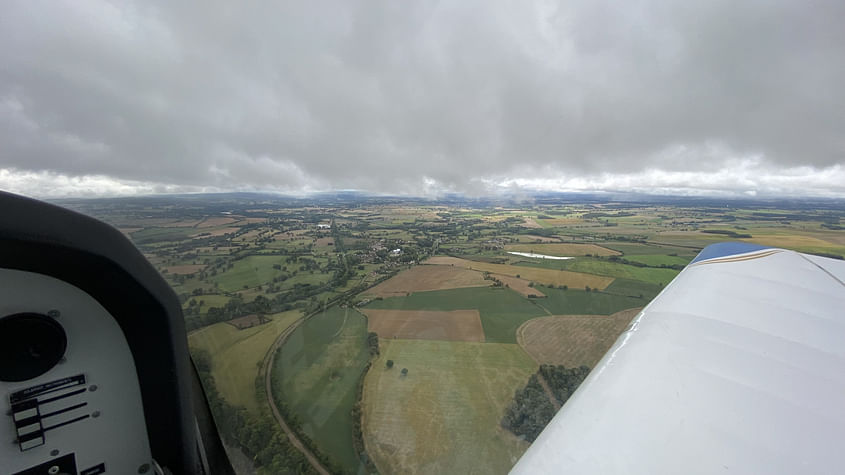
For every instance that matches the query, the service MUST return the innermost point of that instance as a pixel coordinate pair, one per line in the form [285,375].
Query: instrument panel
[72,399]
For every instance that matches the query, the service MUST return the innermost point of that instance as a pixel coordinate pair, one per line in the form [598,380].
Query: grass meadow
[315,374]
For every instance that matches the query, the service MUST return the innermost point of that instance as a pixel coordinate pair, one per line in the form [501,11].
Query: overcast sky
[709,97]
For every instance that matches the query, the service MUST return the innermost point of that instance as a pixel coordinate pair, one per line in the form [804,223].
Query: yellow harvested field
[185,269]
[519,285]
[425,277]
[562,221]
[214,222]
[539,275]
[236,354]
[129,231]
[572,340]
[455,325]
[563,249]
[530,223]
[444,416]
[324,241]
[790,241]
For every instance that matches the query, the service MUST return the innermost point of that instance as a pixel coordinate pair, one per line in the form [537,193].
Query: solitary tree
[404,371]
[389,364]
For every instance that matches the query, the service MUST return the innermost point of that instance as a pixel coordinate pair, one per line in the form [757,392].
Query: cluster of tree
[726,232]
[372,344]
[563,381]
[622,260]
[234,308]
[828,254]
[532,409]
[259,437]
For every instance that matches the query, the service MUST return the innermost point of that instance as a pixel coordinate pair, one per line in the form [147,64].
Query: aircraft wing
[738,366]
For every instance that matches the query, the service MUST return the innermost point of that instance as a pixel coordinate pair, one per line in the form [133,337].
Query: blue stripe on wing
[724,249]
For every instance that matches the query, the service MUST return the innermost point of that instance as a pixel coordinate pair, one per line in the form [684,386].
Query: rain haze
[423,98]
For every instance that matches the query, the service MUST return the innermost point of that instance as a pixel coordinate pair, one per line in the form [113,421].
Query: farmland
[316,372]
[563,249]
[572,340]
[435,281]
[456,325]
[502,310]
[444,415]
[652,275]
[580,302]
[544,276]
[236,354]
[428,277]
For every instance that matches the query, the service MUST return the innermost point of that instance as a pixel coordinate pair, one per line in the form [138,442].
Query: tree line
[532,409]
[258,437]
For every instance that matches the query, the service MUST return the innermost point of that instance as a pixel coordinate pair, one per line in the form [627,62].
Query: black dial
[30,344]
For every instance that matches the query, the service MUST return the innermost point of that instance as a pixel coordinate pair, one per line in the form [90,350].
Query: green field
[443,417]
[250,271]
[615,269]
[659,260]
[154,235]
[631,249]
[502,310]
[315,374]
[579,302]
[633,288]
[236,355]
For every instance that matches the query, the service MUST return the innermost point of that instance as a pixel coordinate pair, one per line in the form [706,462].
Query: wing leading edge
[738,365]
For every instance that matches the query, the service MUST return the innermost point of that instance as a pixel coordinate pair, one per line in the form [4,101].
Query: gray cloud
[410,97]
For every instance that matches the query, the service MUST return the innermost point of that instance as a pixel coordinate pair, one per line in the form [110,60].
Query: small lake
[539,256]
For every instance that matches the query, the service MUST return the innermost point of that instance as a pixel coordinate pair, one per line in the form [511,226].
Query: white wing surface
[738,366]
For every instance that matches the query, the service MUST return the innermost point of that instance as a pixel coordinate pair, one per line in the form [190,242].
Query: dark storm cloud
[412,96]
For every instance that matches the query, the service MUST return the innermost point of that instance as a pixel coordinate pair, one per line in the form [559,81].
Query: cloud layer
[423,97]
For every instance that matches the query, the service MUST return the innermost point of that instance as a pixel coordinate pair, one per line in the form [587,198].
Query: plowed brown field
[455,325]
[425,277]
[572,340]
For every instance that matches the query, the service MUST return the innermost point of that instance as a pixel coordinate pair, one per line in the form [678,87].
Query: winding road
[268,367]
